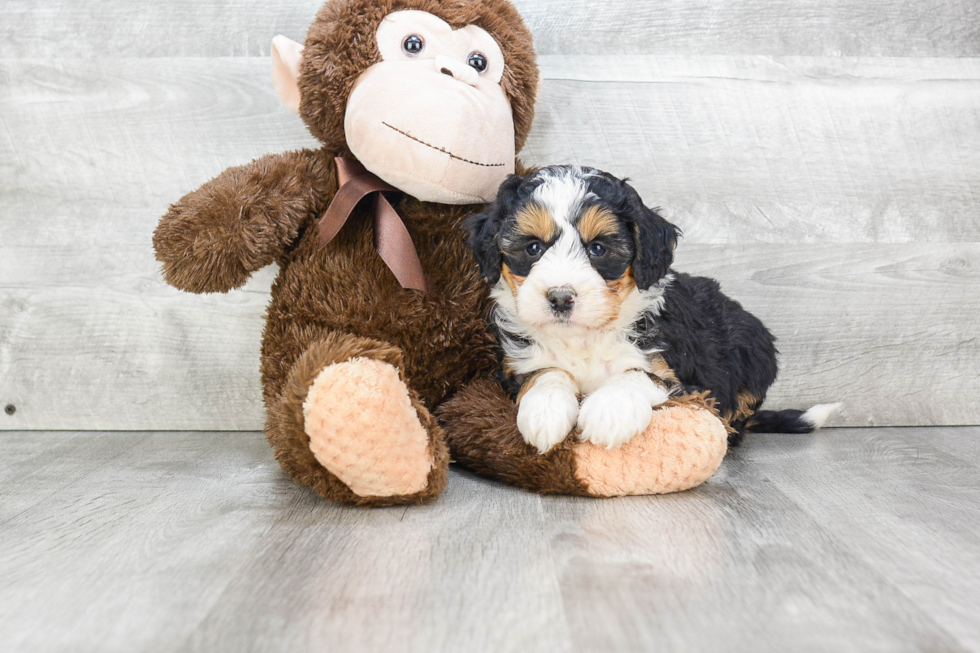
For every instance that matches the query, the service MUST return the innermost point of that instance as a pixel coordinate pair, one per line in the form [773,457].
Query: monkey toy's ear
[286,56]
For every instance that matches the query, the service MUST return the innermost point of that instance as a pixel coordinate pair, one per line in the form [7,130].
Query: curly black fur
[712,343]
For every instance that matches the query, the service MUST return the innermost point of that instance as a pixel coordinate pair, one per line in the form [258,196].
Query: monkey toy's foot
[364,429]
[355,433]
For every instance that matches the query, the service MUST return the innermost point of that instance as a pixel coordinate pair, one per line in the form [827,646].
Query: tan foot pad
[683,446]
[365,431]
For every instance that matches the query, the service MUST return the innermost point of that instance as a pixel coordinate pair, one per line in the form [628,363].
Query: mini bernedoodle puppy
[594,326]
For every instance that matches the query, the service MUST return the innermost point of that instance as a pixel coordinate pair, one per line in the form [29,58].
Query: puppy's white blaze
[819,414]
[562,193]
[564,264]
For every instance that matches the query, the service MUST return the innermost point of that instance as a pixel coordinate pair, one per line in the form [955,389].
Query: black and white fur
[595,329]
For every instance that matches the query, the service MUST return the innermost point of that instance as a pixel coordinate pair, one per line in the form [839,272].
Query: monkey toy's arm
[242,220]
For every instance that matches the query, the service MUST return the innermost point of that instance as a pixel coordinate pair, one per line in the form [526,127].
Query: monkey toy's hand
[214,238]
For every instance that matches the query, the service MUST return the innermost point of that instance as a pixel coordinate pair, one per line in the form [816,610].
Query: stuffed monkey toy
[378,315]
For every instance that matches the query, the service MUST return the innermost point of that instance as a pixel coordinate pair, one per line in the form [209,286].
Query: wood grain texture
[471,570]
[846,540]
[791,150]
[735,565]
[910,507]
[91,545]
[837,199]
[132,353]
[734,149]
[87,28]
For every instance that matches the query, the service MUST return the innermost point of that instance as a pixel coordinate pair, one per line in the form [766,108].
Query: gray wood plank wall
[823,159]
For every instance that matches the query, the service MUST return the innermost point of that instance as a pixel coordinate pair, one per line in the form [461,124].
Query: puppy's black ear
[654,239]
[483,229]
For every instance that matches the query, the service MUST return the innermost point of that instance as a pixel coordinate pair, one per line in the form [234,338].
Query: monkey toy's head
[436,97]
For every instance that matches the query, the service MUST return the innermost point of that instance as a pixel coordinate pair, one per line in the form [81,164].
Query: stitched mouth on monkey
[442,149]
[430,136]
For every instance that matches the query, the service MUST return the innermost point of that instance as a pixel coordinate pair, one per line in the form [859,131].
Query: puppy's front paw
[614,413]
[547,412]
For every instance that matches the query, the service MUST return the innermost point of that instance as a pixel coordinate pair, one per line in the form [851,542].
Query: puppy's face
[566,261]
[573,246]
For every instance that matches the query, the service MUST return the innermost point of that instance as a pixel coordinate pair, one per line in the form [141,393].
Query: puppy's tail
[791,421]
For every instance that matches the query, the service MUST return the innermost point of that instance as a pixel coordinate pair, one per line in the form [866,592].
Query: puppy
[596,330]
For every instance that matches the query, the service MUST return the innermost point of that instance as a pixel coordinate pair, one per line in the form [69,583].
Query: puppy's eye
[534,249]
[596,249]
[413,45]
[478,62]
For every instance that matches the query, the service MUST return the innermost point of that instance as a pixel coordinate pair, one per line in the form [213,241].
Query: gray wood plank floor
[851,539]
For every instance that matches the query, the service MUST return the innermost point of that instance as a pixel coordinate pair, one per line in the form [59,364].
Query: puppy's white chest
[592,358]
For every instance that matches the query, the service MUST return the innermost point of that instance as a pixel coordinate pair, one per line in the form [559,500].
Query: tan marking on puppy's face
[617,292]
[622,286]
[596,221]
[534,220]
[513,281]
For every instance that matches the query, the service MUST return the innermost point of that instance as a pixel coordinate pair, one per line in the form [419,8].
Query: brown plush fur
[214,238]
[284,423]
[333,304]
[483,436]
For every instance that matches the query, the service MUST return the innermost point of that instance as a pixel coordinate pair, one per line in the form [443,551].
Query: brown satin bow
[391,237]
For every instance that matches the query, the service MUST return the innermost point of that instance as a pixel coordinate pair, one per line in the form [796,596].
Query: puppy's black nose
[562,300]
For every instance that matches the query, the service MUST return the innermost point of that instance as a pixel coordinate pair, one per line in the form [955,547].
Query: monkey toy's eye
[596,249]
[478,62]
[534,249]
[413,45]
